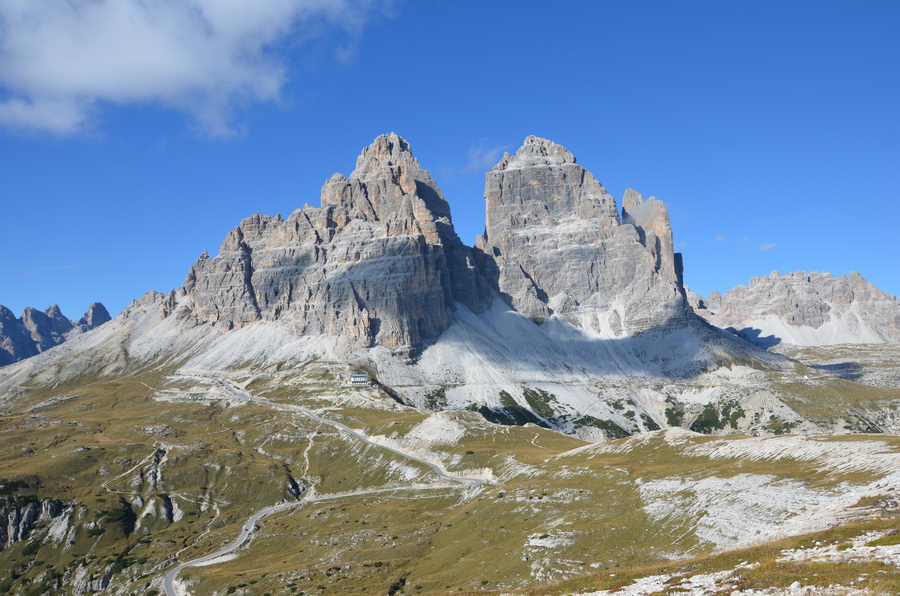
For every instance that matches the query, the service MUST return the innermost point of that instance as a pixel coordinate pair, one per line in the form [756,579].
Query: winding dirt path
[169,584]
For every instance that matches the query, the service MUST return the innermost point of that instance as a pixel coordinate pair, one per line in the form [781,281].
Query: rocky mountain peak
[95,315]
[651,220]
[388,185]
[386,151]
[542,185]
[806,308]
[15,341]
[54,312]
[36,331]
[554,244]
[536,151]
[47,328]
[378,264]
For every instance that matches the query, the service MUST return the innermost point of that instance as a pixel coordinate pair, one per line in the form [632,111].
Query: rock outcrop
[48,328]
[95,316]
[651,220]
[15,341]
[805,309]
[19,516]
[554,244]
[36,331]
[378,263]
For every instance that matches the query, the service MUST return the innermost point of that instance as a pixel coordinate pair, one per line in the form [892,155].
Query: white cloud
[483,158]
[60,60]
[718,239]
[766,246]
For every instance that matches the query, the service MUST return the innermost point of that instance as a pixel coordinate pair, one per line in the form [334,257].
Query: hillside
[111,483]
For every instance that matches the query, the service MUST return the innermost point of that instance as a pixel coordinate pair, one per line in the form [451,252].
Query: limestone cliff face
[47,328]
[807,308]
[36,331]
[18,517]
[94,316]
[554,244]
[378,263]
[651,220]
[15,341]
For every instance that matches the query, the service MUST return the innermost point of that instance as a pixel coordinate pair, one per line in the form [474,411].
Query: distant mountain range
[36,331]
[805,309]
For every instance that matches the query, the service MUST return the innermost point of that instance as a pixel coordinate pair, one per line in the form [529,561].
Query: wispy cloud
[718,239]
[766,246]
[483,157]
[60,62]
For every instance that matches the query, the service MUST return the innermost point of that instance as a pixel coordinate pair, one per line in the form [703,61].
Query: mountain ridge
[804,308]
[37,331]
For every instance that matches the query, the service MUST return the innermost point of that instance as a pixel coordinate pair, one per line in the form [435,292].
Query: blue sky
[771,129]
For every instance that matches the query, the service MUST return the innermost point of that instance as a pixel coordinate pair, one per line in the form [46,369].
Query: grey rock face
[377,263]
[95,316]
[696,301]
[554,244]
[17,518]
[37,331]
[48,328]
[807,308]
[651,220]
[15,341]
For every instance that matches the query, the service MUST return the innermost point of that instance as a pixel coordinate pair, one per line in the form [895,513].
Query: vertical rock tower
[554,244]
[379,263]
[651,220]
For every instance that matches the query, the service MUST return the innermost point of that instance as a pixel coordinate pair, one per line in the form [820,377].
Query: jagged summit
[651,220]
[37,331]
[54,312]
[554,244]
[388,185]
[536,151]
[95,315]
[805,308]
[379,263]
[386,151]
